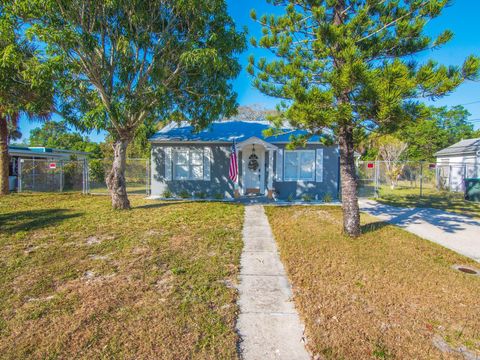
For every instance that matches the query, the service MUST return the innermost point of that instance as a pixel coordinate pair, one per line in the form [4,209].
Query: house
[457,163]
[198,163]
[37,160]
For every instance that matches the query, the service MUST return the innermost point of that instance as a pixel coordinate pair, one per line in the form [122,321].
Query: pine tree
[347,65]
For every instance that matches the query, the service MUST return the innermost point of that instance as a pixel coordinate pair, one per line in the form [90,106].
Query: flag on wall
[233,169]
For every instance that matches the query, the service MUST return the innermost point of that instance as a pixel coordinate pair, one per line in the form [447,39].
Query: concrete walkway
[268,324]
[454,231]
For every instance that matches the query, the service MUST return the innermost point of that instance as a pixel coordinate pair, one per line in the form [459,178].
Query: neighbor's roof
[469,146]
[42,151]
[226,131]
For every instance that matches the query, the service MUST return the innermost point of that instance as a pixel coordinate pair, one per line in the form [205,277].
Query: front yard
[385,295]
[78,279]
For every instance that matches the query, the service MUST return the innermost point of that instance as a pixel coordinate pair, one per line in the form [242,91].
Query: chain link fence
[41,175]
[412,178]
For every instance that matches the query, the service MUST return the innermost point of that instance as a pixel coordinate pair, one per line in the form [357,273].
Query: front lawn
[79,280]
[432,198]
[385,295]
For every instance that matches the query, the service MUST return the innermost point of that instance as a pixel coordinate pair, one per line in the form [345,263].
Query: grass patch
[384,295]
[444,200]
[78,279]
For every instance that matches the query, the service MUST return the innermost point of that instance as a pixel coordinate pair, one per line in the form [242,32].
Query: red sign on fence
[52,165]
[370,165]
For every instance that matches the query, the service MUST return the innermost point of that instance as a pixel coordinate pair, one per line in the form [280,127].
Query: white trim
[319,165]
[256,141]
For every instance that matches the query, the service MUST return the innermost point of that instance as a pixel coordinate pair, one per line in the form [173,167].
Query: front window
[188,164]
[300,165]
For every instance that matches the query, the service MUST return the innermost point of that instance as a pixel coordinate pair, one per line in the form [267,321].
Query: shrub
[291,198]
[167,194]
[327,198]
[218,196]
[200,195]
[184,194]
[96,171]
[306,198]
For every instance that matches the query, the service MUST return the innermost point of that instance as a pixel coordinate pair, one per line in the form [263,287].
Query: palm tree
[25,89]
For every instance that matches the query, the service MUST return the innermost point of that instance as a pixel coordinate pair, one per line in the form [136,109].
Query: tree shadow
[374,226]
[13,222]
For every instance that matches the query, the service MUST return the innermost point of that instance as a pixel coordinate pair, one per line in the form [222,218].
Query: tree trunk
[4,158]
[351,212]
[116,178]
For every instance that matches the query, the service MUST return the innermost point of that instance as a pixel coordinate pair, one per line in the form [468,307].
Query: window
[300,165]
[187,164]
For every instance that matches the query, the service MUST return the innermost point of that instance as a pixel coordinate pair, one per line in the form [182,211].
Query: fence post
[61,175]
[20,162]
[148,177]
[377,172]
[421,178]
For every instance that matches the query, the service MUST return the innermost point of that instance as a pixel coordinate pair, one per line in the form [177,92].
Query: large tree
[125,62]
[347,64]
[25,87]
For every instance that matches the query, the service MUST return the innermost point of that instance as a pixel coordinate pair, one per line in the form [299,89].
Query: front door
[253,165]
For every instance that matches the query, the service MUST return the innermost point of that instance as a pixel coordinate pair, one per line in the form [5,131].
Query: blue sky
[461,18]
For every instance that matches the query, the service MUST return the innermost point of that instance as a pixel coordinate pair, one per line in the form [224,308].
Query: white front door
[253,170]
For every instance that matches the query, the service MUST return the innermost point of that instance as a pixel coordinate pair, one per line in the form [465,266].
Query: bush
[327,198]
[306,198]
[218,196]
[184,194]
[167,194]
[200,195]
[96,171]
[291,198]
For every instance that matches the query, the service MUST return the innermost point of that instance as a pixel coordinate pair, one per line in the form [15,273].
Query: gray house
[184,162]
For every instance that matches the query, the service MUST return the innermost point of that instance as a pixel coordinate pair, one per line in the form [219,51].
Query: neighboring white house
[457,163]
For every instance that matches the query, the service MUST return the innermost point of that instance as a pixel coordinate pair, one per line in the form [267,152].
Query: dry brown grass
[78,280]
[387,294]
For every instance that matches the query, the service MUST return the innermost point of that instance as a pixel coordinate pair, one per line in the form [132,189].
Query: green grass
[384,295]
[79,280]
[431,198]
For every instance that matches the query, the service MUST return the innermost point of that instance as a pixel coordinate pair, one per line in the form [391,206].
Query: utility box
[472,189]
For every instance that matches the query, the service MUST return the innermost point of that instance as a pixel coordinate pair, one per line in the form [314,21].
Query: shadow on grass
[34,219]
[372,227]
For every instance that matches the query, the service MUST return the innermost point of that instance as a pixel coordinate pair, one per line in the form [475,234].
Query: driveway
[454,231]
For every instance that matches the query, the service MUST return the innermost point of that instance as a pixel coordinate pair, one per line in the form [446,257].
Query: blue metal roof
[226,131]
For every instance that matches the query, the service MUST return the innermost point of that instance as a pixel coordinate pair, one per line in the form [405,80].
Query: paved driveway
[456,232]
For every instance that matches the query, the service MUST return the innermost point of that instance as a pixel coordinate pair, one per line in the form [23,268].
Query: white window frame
[189,164]
[299,156]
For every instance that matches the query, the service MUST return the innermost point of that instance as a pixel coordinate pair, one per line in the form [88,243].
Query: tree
[253,112]
[25,88]
[125,62]
[435,129]
[346,64]
[390,150]
[57,135]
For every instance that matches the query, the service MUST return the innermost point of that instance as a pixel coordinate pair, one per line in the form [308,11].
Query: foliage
[167,194]
[58,135]
[126,63]
[25,86]
[436,129]
[184,194]
[346,65]
[390,150]
[327,198]
[96,169]
[253,112]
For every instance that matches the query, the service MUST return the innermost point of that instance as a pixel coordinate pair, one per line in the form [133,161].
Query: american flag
[233,169]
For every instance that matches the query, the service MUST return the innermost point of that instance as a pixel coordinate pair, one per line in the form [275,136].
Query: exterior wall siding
[221,185]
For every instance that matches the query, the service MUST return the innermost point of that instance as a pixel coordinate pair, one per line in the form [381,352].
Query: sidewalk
[454,231]
[268,324]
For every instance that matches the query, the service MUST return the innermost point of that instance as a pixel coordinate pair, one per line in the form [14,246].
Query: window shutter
[207,159]
[168,163]
[279,166]
[319,166]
